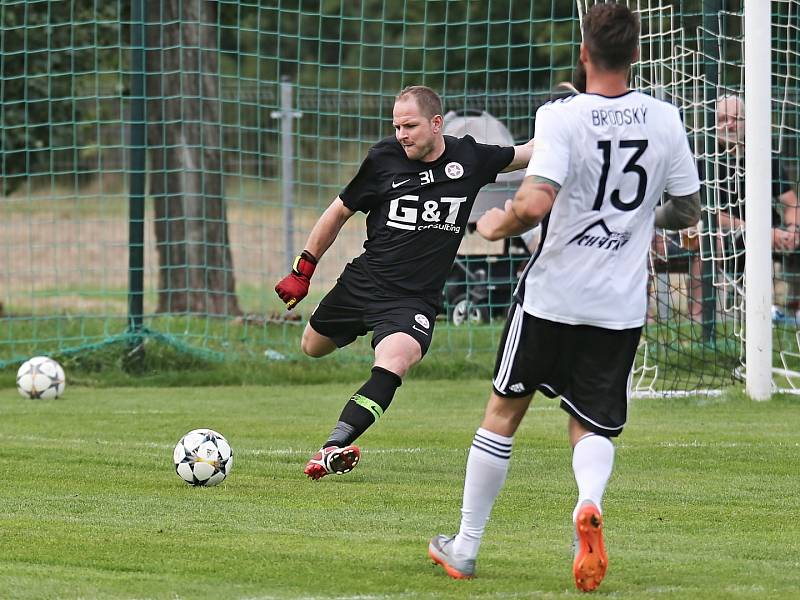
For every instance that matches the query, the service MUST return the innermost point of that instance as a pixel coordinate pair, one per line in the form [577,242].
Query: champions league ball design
[203,457]
[40,378]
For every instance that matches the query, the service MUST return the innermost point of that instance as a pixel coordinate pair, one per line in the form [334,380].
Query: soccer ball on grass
[203,457]
[40,377]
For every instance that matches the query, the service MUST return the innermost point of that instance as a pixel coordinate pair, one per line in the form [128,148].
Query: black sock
[365,407]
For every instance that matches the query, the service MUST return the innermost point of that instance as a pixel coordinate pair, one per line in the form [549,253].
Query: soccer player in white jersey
[603,159]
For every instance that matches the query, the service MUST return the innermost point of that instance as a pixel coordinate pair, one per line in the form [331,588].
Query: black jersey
[417,212]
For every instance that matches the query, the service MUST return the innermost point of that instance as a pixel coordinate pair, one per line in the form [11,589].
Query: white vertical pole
[287,170]
[758,197]
[286,114]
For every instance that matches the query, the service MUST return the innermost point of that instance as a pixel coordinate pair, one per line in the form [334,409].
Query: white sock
[592,462]
[487,466]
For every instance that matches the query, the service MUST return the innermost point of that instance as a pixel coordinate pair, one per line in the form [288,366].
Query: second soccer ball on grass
[40,377]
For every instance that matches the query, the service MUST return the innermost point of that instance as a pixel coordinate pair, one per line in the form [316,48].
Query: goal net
[161,162]
[695,336]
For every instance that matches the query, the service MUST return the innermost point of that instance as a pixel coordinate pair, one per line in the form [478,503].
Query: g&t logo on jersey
[406,213]
[599,236]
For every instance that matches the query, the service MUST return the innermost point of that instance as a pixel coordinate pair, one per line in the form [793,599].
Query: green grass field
[702,504]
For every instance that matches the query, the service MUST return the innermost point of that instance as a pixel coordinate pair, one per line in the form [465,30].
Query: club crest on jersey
[422,320]
[453,170]
[599,236]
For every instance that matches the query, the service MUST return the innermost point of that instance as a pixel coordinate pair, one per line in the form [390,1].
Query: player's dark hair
[611,34]
[579,77]
[429,102]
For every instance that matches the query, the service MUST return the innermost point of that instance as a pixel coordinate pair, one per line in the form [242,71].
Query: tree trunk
[184,138]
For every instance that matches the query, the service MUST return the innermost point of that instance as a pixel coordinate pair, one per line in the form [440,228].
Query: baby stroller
[481,286]
[482,281]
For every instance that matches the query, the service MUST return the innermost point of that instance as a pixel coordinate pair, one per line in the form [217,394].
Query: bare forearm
[532,202]
[327,228]
[512,225]
[678,212]
[522,156]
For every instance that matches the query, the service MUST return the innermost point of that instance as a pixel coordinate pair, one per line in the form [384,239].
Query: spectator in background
[729,181]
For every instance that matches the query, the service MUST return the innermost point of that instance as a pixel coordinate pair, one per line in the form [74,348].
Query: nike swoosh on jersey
[394,185]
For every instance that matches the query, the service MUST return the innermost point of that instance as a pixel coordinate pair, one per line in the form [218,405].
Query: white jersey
[613,157]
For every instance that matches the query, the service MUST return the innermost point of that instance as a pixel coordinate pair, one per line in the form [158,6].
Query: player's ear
[436,123]
[583,56]
[635,55]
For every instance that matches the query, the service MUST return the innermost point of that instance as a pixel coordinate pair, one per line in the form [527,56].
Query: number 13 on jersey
[638,147]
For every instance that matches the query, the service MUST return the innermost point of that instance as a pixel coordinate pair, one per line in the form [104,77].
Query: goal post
[758,177]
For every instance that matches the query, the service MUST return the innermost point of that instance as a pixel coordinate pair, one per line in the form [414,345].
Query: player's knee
[399,364]
[503,415]
[398,353]
[309,348]
[314,345]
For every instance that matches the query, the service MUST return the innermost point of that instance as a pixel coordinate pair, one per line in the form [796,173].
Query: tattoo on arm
[540,184]
[546,181]
[678,212]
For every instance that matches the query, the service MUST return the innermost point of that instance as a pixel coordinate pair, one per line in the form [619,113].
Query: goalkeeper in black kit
[417,189]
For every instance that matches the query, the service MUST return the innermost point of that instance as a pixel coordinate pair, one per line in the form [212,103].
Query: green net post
[137,180]
[711,10]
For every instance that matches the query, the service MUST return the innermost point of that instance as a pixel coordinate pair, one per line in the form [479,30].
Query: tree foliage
[64,66]
[51,70]
[380,46]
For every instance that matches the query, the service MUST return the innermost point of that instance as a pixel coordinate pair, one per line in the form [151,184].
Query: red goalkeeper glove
[294,287]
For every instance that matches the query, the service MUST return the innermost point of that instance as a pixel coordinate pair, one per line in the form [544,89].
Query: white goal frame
[758,289]
[758,182]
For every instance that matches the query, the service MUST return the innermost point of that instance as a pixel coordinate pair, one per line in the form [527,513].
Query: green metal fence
[162,161]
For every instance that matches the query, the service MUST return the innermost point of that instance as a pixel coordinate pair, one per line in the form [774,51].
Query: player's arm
[522,156]
[681,209]
[679,212]
[294,287]
[531,203]
[327,228]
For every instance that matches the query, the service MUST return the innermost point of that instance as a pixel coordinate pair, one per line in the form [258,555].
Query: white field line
[655,395]
[417,450]
[696,444]
[59,441]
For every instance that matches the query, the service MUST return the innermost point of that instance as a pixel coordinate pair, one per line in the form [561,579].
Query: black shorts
[589,367]
[350,310]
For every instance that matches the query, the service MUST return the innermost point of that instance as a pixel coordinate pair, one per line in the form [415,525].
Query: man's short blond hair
[428,101]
